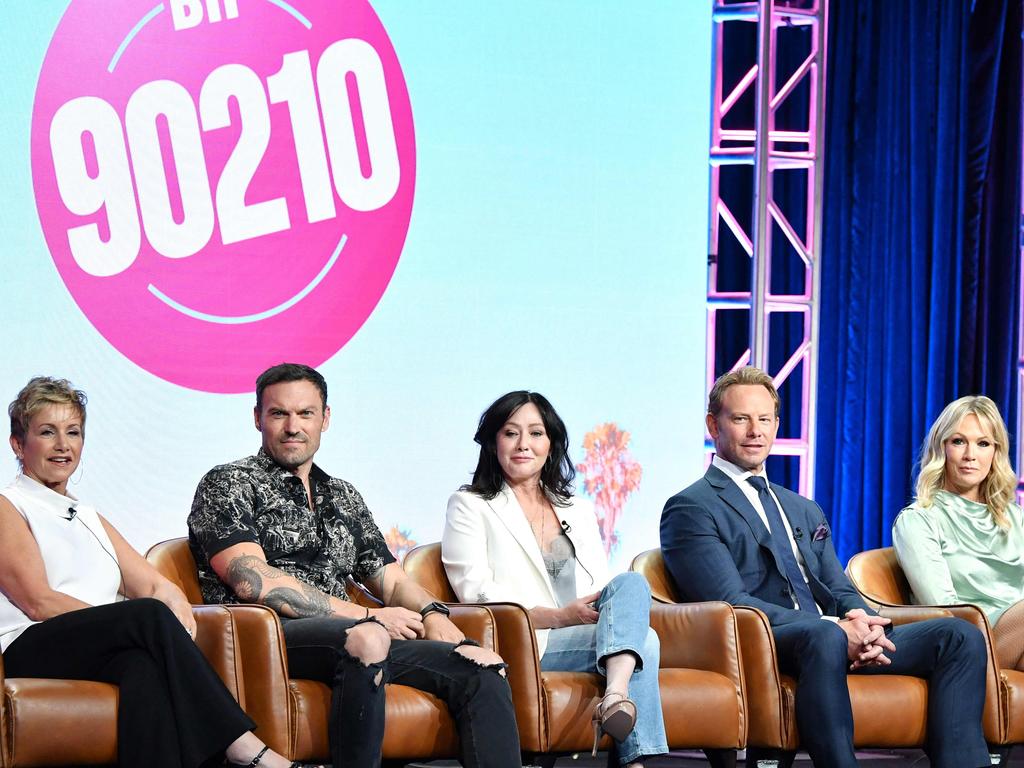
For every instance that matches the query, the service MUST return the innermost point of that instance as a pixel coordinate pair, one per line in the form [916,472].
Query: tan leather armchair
[291,714]
[877,575]
[74,722]
[888,711]
[702,687]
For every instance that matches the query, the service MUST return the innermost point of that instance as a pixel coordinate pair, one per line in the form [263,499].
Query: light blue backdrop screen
[557,243]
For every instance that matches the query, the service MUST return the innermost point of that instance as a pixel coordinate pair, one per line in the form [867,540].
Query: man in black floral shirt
[276,529]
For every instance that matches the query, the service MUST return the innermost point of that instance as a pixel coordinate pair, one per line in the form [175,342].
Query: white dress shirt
[77,554]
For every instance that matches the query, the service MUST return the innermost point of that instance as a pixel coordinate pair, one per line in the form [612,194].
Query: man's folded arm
[244,568]
[703,567]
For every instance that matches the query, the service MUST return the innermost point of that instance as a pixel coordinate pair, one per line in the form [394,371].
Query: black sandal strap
[259,756]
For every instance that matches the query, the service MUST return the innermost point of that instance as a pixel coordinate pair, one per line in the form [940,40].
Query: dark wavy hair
[556,477]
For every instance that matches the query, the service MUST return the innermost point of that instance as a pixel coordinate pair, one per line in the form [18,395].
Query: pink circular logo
[223,184]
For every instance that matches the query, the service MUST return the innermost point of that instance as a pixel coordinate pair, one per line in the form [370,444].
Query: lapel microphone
[566,528]
[798,533]
[71,513]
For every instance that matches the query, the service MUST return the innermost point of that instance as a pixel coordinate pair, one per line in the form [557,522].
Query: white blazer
[491,554]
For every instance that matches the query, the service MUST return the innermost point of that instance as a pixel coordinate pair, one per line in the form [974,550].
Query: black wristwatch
[435,607]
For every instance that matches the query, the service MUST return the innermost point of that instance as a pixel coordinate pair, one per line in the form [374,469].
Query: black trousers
[949,653]
[478,697]
[173,710]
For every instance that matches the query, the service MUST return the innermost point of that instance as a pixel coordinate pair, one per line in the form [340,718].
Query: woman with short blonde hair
[105,614]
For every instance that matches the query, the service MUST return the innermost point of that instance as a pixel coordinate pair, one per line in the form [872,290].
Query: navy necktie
[783,548]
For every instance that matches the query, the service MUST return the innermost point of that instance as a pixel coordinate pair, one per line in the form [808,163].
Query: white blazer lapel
[507,509]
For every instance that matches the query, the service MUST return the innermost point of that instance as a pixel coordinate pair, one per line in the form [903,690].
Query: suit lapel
[506,508]
[792,507]
[730,493]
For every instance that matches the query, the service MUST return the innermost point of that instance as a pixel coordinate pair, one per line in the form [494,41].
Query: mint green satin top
[953,552]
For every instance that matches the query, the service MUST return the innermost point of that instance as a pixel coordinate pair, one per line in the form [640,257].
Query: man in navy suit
[732,536]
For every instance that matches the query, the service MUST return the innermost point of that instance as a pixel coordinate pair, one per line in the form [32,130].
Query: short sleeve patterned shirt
[257,501]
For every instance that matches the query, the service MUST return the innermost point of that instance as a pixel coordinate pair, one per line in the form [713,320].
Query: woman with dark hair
[77,602]
[517,534]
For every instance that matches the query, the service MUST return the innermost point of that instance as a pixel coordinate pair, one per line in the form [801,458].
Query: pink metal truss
[771,151]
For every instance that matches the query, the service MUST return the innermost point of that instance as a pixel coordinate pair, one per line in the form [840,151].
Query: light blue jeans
[624,625]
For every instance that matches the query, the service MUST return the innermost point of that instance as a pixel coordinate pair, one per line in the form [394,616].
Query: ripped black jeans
[478,698]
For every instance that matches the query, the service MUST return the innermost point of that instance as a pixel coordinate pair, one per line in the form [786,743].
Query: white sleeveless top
[78,555]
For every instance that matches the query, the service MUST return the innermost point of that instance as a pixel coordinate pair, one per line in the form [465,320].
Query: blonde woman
[962,539]
[77,602]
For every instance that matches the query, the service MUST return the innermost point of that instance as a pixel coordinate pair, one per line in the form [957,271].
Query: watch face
[435,607]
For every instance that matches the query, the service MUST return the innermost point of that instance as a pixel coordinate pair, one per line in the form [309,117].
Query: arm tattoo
[295,605]
[245,575]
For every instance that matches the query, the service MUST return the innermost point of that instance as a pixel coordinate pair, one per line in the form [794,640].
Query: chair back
[877,575]
[173,559]
[651,565]
[424,566]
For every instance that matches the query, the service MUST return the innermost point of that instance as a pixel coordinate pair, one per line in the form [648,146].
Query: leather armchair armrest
[476,622]
[215,637]
[517,645]
[252,661]
[908,614]
[766,710]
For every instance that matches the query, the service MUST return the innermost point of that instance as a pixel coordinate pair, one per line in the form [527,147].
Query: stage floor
[910,758]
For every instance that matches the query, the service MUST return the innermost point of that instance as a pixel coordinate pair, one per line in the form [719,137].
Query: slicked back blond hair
[748,374]
[40,392]
[998,488]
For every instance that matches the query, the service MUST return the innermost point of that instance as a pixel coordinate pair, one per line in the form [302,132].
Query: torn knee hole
[481,657]
[367,644]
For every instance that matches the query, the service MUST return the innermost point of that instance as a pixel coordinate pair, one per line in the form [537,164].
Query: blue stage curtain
[919,276]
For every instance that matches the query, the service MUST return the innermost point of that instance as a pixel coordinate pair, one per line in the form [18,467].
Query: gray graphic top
[255,500]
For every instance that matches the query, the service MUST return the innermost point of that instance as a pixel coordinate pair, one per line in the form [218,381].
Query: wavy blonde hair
[40,392]
[997,490]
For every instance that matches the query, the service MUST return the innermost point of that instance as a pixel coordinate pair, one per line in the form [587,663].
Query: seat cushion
[888,710]
[701,709]
[416,724]
[60,722]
